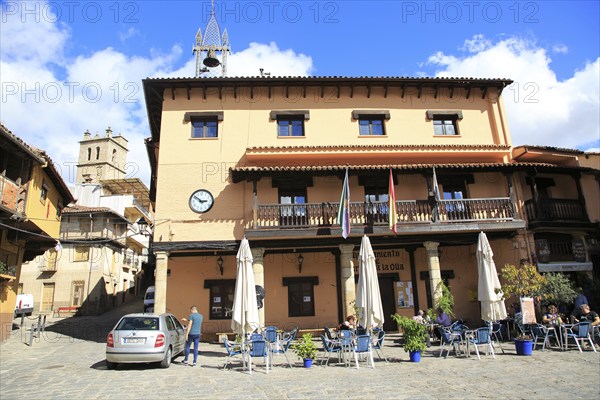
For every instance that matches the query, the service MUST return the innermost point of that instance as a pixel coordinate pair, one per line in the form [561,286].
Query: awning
[565,267]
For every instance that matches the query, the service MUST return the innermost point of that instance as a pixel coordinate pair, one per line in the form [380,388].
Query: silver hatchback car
[145,338]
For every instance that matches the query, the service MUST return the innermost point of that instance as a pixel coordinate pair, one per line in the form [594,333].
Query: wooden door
[47,297]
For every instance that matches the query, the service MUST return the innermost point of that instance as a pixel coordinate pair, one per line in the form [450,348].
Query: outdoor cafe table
[563,332]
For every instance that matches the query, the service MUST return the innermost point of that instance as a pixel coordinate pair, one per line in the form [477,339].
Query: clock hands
[200,200]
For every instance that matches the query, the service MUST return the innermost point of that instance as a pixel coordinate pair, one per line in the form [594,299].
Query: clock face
[201,201]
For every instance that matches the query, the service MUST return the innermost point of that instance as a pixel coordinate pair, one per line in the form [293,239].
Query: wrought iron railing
[376,213]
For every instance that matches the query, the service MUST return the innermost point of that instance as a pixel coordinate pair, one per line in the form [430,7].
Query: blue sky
[51,51]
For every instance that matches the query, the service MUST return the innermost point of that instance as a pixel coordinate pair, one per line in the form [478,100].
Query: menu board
[528,310]
[405,295]
[579,253]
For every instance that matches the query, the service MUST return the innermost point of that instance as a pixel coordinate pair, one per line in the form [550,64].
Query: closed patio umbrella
[488,289]
[368,297]
[244,316]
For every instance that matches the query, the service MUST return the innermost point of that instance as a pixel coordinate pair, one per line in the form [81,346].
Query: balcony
[9,195]
[553,210]
[409,212]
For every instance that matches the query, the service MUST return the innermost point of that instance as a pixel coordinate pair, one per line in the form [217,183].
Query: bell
[211,59]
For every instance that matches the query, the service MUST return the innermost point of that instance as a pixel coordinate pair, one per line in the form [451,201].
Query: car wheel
[110,365]
[166,362]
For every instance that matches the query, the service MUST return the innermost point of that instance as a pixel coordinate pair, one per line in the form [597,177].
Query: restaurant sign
[385,261]
[565,267]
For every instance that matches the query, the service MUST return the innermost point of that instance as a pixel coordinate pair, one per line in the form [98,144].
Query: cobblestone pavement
[68,362]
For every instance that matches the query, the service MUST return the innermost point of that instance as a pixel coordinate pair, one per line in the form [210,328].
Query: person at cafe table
[585,314]
[552,317]
[349,324]
[442,318]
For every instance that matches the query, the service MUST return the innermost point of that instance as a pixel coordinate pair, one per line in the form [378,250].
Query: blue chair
[579,333]
[363,346]
[345,334]
[259,348]
[233,350]
[271,334]
[540,332]
[329,347]
[282,347]
[482,338]
[378,344]
[449,339]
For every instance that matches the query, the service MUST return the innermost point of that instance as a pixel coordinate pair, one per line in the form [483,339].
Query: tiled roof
[423,147]
[77,209]
[551,148]
[332,77]
[33,152]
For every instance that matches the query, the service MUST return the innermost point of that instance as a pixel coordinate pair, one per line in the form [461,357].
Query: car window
[150,296]
[177,323]
[170,324]
[138,323]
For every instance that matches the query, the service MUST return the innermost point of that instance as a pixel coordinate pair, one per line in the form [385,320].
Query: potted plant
[306,349]
[415,336]
[523,281]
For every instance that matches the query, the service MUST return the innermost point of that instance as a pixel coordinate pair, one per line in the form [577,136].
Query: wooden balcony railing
[270,216]
[556,210]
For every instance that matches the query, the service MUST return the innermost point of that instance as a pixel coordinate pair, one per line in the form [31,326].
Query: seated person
[442,318]
[552,317]
[419,317]
[585,314]
[350,324]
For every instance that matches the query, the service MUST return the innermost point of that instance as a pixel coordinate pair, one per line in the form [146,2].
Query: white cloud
[542,110]
[560,48]
[50,97]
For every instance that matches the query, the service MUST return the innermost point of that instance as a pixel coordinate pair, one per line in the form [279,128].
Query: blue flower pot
[307,363]
[524,347]
[415,356]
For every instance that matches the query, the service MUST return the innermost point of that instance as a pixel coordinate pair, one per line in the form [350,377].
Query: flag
[392,214]
[436,189]
[343,217]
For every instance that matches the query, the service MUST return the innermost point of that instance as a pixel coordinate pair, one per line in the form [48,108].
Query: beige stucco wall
[187,164]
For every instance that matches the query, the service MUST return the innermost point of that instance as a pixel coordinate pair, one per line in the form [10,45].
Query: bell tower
[101,157]
[209,47]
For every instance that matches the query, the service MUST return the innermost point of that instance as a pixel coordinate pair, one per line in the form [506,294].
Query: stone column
[435,276]
[348,285]
[160,282]
[259,276]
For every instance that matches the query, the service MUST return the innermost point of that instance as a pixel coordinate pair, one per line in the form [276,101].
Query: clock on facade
[201,201]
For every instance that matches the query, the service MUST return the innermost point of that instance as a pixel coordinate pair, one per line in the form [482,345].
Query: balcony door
[376,204]
[456,209]
[292,212]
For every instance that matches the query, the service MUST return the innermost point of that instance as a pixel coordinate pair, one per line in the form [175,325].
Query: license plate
[134,340]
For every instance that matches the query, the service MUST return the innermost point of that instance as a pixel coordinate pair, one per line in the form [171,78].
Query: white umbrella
[244,315]
[488,289]
[368,297]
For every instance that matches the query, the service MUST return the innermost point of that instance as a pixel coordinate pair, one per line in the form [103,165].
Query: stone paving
[68,362]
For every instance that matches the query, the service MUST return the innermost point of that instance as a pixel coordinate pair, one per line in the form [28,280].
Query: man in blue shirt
[192,334]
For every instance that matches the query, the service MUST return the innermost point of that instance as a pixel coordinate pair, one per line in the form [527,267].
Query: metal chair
[378,343]
[496,333]
[233,350]
[579,333]
[482,338]
[329,347]
[282,347]
[540,332]
[449,339]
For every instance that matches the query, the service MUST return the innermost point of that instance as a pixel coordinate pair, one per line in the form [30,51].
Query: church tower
[101,157]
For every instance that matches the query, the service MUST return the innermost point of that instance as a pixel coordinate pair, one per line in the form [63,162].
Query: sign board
[542,250]
[385,261]
[405,295]
[579,252]
[528,310]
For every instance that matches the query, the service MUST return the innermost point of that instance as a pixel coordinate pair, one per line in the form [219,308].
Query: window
[44,193]
[114,156]
[221,298]
[301,299]
[98,153]
[82,253]
[290,126]
[444,126]
[204,128]
[445,122]
[455,209]
[371,126]
[89,153]
[59,207]
[293,209]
